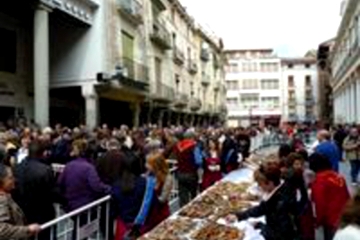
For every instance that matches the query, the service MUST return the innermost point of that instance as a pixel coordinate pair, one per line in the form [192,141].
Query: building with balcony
[345,65]
[254,87]
[299,78]
[80,61]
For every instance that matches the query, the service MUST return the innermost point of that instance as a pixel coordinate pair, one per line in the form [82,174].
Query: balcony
[204,55]
[292,102]
[217,63]
[160,35]
[178,56]
[132,10]
[195,104]
[217,86]
[223,109]
[133,74]
[309,101]
[181,100]
[192,67]
[163,93]
[205,80]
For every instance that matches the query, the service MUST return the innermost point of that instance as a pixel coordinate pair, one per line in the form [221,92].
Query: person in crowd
[189,159]
[277,207]
[284,151]
[80,183]
[108,166]
[329,194]
[61,147]
[243,142]
[157,167]
[292,171]
[328,149]
[36,190]
[339,137]
[12,219]
[350,221]
[229,153]
[212,164]
[132,199]
[351,147]
[23,151]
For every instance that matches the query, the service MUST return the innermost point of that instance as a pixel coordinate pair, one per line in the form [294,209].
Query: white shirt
[351,232]
[22,154]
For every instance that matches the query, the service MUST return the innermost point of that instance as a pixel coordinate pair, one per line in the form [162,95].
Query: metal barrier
[83,223]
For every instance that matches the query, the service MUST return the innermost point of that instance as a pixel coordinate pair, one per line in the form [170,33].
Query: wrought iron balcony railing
[160,35]
[132,10]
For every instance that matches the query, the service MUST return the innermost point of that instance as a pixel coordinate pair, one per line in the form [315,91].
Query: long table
[238,176]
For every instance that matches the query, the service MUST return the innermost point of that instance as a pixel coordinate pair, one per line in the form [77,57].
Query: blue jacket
[331,151]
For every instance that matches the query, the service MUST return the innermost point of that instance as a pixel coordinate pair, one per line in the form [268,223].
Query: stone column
[41,65]
[91,106]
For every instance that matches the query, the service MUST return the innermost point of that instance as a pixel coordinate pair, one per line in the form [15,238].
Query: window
[269,67]
[249,84]
[307,65]
[270,84]
[232,85]
[291,95]
[233,68]
[308,80]
[270,102]
[8,51]
[232,101]
[158,70]
[128,53]
[290,65]
[249,100]
[291,81]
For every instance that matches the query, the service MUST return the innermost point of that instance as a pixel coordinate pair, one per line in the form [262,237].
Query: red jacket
[184,151]
[330,195]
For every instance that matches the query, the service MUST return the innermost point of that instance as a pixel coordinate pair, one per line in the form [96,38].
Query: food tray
[215,231]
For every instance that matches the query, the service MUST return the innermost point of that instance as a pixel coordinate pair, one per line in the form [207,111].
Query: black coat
[279,212]
[36,191]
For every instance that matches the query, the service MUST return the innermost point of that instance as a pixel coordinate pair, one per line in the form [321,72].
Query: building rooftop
[301,60]
[261,50]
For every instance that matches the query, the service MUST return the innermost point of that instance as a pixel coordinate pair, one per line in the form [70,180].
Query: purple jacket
[80,184]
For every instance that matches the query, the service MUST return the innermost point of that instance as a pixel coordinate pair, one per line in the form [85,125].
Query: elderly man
[328,148]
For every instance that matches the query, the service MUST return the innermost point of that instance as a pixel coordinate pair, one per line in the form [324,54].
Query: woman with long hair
[350,222]
[159,168]
[212,164]
[132,199]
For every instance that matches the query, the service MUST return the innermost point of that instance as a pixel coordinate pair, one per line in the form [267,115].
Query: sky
[291,27]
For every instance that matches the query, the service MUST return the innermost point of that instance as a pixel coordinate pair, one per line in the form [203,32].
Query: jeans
[355,169]
[188,187]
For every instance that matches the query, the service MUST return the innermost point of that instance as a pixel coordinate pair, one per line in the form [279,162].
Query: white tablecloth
[238,176]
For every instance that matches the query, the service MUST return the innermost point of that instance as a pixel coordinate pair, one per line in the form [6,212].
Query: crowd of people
[131,165]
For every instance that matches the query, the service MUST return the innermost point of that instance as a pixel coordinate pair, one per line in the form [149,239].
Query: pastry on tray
[215,231]
[229,188]
[203,207]
[171,229]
